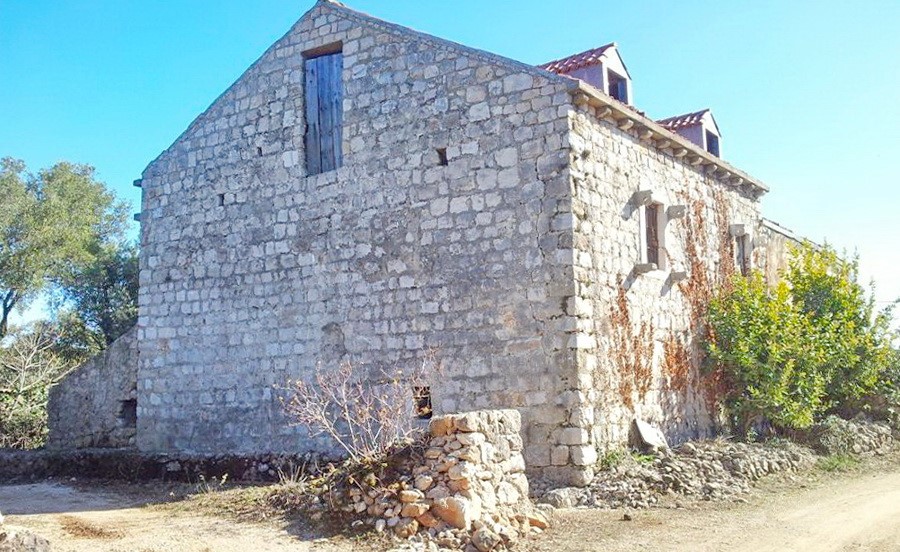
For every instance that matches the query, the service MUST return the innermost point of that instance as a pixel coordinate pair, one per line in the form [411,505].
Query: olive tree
[51,224]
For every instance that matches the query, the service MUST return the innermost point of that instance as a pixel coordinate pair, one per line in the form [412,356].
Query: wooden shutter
[324,112]
[652,224]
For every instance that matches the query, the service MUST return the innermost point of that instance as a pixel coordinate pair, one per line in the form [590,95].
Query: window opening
[618,86]
[324,112]
[652,233]
[712,143]
[742,254]
[442,157]
[422,399]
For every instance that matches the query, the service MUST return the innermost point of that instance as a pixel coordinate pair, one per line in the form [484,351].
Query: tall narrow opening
[324,95]
[128,413]
[651,222]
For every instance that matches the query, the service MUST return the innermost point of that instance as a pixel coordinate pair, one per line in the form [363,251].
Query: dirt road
[97,521]
[848,513]
[855,513]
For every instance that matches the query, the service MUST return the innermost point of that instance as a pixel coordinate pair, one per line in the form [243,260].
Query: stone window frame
[742,236]
[643,265]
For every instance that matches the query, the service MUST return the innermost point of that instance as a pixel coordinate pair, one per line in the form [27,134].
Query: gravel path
[855,513]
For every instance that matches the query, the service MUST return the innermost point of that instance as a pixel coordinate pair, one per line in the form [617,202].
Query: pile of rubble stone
[467,489]
[708,470]
[838,436]
[718,469]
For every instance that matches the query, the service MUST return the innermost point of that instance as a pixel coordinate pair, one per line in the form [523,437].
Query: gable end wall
[378,263]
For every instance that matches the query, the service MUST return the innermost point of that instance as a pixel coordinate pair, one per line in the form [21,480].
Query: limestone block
[572,436]
[583,455]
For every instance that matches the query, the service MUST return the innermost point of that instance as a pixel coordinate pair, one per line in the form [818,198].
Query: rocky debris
[708,470]
[14,539]
[467,489]
[837,436]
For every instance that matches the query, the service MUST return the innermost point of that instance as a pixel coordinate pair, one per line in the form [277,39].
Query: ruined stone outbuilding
[371,194]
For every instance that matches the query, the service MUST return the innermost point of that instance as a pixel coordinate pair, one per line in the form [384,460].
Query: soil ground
[853,511]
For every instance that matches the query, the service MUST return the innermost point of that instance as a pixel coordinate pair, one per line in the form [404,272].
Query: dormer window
[712,143]
[699,127]
[601,68]
[617,86]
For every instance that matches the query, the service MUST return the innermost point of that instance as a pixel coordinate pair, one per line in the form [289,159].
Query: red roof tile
[577,61]
[681,121]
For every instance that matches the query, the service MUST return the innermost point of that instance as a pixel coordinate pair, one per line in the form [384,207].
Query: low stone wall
[838,436]
[130,465]
[96,405]
[470,486]
[708,470]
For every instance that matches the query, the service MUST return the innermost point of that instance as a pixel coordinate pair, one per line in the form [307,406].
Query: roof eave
[653,133]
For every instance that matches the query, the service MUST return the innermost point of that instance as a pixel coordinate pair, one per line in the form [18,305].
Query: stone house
[372,194]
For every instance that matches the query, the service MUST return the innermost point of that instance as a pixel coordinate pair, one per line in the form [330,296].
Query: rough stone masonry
[482,213]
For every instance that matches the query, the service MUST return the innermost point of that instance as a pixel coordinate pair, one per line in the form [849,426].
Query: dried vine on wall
[700,288]
[631,353]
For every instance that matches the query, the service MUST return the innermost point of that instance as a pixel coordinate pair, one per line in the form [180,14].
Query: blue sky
[807,93]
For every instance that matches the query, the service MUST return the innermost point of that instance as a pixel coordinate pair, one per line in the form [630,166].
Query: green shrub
[837,463]
[809,345]
[842,314]
[768,354]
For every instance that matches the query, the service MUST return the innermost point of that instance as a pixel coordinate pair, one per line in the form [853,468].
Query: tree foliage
[50,224]
[811,344]
[100,298]
[769,353]
[856,337]
[29,366]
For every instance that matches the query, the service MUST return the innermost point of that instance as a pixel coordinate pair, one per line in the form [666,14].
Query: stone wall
[95,406]
[773,242]
[635,332]
[254,273]
[470,485]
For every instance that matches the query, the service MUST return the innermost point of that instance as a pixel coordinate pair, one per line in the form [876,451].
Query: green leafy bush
[768,353]
[809,345]
[842,314]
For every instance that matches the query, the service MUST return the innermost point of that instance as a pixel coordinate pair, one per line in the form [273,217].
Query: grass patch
[645,459]
[611,459]
[837,463]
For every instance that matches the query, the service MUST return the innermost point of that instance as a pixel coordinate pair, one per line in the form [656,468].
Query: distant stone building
[372,194]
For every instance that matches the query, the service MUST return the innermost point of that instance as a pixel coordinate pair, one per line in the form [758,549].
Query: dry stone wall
[95,406]
[254,273]
[470,487]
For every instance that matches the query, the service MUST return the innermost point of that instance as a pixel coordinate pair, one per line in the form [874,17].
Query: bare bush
[28,367]
[365,416]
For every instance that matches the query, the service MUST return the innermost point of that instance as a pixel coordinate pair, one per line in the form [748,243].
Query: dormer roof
[584,59]
[703,117]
